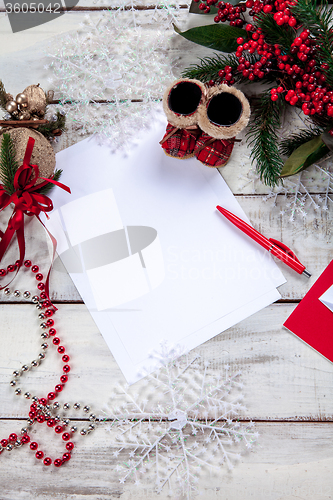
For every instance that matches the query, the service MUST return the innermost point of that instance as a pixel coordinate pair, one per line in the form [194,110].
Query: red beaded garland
[36,412]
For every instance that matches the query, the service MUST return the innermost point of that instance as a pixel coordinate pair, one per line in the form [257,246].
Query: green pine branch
[263,140]
[45,189]
[48,129]
[318,20]
[3,96]
[288,146]
[209,67]
[282,35]
[8,164]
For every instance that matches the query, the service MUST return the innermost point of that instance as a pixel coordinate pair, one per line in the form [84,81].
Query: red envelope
[312,321]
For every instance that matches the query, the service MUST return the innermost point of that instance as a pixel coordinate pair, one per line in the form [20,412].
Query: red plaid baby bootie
[179,143]
[213,152]
[221,117]
[180,103]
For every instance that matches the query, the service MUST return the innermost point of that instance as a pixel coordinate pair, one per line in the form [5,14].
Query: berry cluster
[297,69]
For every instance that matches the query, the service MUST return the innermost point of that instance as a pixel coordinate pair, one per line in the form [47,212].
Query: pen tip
[306,273]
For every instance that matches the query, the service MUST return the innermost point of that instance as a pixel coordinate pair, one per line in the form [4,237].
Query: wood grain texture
[288,387]
[283,377]
[310,238]
[291,461]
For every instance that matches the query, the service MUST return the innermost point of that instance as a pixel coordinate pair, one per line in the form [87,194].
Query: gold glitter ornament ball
[42,154]
[36,100]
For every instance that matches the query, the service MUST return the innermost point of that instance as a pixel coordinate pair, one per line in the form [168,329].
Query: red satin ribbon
[27,201]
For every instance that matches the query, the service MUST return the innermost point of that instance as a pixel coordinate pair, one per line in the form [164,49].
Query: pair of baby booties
[203,122]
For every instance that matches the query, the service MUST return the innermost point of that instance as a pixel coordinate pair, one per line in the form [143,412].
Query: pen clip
[284,248]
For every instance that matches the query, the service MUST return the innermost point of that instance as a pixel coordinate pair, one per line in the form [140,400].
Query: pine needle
[48,129]
[8,164]
[282,35]
[288,146]
[47,188]
[263,140]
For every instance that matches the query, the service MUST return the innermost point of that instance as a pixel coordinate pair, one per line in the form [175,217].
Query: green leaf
[214,36]
[327,138]
[304,156]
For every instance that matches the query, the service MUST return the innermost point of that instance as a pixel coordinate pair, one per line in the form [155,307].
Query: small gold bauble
[11,106]
[42,154]
[21,99]
[36,99]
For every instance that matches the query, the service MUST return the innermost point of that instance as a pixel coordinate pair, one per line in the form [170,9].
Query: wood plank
[310,238]
[290,461]
[283,377]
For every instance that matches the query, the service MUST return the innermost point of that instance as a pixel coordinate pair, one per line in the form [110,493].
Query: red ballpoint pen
[275,247]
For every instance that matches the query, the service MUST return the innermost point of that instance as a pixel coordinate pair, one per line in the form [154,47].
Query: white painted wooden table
[288,387]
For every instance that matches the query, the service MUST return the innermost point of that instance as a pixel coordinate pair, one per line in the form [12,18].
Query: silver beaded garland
[17,293]
[35,299]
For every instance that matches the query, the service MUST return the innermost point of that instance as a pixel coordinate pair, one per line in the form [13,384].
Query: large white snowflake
[194,426]
[114,69]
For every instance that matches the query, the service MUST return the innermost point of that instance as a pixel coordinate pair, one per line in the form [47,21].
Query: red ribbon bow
[29,202]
